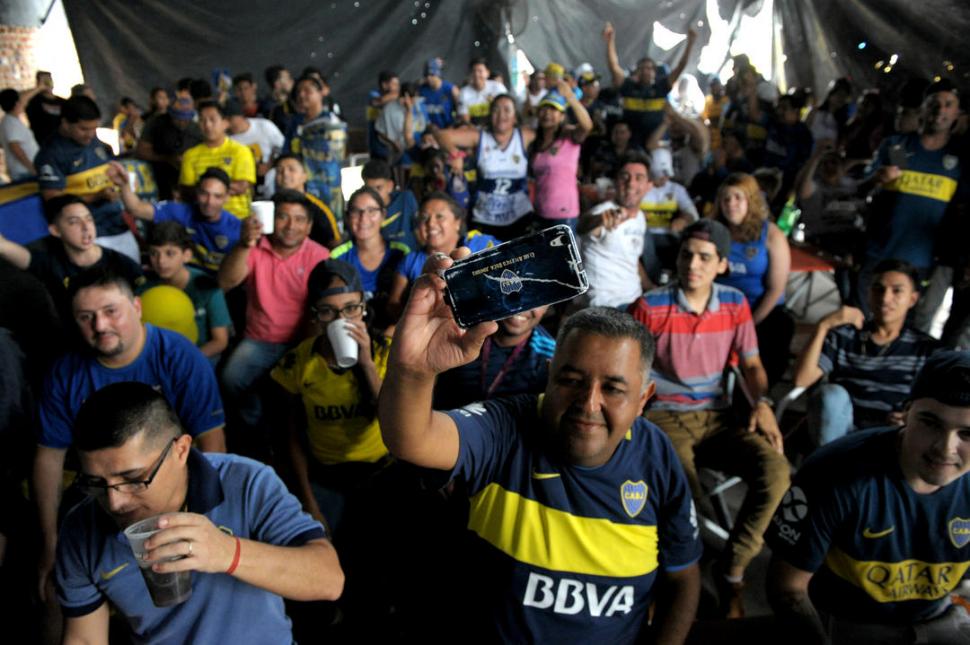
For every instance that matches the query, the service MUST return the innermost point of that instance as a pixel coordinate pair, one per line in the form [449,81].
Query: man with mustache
[872,538]
[578,504]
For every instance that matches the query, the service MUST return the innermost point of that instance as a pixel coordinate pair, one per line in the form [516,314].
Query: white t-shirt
[13,129]
[262,137]
[475,104]
[612,262]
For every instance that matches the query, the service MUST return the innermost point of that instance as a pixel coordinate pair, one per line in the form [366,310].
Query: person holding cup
[227,520]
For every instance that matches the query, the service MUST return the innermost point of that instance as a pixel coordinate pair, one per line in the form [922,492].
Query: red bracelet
[235,558]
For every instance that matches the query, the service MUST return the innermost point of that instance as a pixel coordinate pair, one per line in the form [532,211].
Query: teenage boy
[220,151]
[169,253]
[402,206]
[214,230]
[700,327]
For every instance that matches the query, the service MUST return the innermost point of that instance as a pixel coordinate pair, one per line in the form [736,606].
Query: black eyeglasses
[327,314]
[94,487]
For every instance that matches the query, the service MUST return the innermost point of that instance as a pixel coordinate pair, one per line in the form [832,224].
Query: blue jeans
[249,362]
[829,414]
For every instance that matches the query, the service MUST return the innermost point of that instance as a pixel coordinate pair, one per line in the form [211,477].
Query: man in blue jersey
[872,537]
[440,96]
[579,505]
[214,230]
[229,520]
[918,175]
[121,348]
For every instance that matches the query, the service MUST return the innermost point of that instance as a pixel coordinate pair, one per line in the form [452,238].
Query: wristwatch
[768,400]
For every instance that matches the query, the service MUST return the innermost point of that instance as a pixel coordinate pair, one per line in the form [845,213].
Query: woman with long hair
[554,155]
[501,206]
[759,263]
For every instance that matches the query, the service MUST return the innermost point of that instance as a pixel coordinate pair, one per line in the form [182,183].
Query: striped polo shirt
[693,349]
[877,377]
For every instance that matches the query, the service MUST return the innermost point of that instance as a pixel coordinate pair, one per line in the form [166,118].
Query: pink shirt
[557,190]
[276,290]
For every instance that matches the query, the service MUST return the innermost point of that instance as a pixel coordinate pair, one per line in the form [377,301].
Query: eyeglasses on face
[327,314]
[93,486]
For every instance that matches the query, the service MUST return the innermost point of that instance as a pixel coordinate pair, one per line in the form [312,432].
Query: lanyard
[486,350]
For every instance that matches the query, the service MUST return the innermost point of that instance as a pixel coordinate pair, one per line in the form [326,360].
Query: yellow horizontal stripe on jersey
[478,110]
[13,192]
[545,537]
[924,184]
[898,581]
[635,104]
[659,214]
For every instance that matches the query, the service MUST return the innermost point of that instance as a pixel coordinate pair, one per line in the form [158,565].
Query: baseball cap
[661,162]
[585,73]
[709,231]
[318,285]
[183,109]
[942,85]
[555,69]
[945,377]
[433,67]
[555,100]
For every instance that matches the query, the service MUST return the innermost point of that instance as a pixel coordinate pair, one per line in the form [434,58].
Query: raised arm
[682,63]
[133,204]
[14,253]
[612,60]
[584,123]
[234,267]
[426,343]
[807,371]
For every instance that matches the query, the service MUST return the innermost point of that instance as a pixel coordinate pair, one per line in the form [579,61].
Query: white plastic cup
[344,345]
[133,181]
[166,589]
[265,212]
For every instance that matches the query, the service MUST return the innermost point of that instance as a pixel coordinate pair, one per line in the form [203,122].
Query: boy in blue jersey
[580,504]
[872,538]
[402,205]
[214,230]
[120,348]
[440,96]
[227,519]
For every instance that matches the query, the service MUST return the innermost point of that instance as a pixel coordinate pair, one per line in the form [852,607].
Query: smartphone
[515,276]
[897,156]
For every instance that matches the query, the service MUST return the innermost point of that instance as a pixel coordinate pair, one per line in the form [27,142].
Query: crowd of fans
[574,435]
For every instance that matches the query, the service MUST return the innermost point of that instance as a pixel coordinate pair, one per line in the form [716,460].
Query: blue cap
[554,100]
[433,67]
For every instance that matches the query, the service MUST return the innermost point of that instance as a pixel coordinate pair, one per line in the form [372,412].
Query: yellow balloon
[169,308]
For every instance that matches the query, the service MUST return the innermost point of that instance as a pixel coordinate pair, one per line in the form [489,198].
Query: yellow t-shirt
[339,429]
[233,157]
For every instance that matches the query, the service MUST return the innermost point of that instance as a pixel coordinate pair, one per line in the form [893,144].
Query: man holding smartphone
[578,504]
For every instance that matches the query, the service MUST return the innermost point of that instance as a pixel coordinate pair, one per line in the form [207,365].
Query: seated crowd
[538,478]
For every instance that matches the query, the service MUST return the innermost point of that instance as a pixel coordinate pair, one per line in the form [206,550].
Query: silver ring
[190,548]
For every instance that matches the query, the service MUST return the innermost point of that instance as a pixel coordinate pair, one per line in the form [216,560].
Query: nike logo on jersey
[111,574]
[541,476]
[869,533]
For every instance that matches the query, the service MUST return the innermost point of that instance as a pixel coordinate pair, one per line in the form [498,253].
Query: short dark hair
[366,190]
[125,101]
[289,155]
[245,77]
[215,172]
[272,73]
[385,75]
[898,266]
[290,196]
[170,232]
[633,156]
[309,79]
[453,205]
[8,99]
[54,207]
[376,169]
[80,108]
[478,60]
[209,103]
[183,84]
[199,89]
[612,323]
[99,276]
[117,412]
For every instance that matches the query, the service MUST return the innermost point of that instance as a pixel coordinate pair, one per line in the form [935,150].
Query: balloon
[169,308]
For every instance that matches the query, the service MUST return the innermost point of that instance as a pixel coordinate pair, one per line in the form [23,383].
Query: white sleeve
[684,203]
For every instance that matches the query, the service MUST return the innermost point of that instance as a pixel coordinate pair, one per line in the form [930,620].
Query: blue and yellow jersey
[908,211]
[233,157]
[643,106]
[572,553]
[881,552]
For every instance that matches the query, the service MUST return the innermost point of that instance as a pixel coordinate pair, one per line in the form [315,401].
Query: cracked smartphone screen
[515,276]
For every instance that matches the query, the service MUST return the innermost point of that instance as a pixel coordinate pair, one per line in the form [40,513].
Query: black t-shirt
[44,113]
[169,139]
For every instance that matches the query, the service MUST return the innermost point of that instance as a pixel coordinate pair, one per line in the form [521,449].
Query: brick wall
[17,60]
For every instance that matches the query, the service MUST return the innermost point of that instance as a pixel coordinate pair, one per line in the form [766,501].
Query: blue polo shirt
[243,498]
[213,240]
[398,226]
[64,164]
[168,362]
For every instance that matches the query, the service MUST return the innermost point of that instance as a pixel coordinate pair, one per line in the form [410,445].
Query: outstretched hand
[427,340]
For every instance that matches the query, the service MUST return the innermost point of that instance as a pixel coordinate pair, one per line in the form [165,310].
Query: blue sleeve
[49,174]
[277,517]
[411,267]
[830,351]
[56,408]
[880,159]
[76,590]
[486,432]
[192,383]
[680,544]
[169,211]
